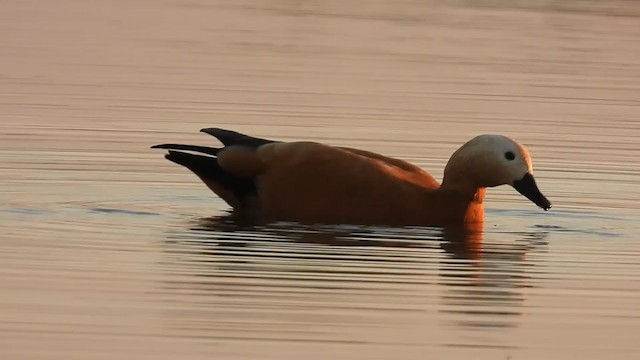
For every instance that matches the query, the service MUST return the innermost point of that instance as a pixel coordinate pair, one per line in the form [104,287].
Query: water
[109,251]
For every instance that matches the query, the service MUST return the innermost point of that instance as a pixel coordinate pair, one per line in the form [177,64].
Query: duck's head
[493,160]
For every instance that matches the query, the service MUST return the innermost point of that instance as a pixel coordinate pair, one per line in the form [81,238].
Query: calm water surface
[108,251]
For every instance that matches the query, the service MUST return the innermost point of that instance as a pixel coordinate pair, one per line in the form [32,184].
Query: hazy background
[109,251]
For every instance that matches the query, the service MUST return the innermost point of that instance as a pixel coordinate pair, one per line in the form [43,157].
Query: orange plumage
[316,183]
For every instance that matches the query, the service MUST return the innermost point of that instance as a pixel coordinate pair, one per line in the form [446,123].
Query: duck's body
[316,183]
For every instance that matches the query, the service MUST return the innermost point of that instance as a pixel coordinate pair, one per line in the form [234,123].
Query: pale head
[493,160]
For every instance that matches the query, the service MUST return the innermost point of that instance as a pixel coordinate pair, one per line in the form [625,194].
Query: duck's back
[311,182]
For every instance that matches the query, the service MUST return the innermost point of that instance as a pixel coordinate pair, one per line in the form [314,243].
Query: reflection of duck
[463,242]
[315,183]
[458,242]
[483,283]
[485,289]
[479,285]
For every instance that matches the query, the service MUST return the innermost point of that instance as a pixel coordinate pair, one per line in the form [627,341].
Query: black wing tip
[213,130]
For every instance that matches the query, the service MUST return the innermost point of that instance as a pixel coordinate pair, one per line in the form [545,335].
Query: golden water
[108,251]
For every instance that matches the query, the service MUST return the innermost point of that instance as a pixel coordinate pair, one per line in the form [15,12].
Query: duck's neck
[464,200]
[475,208]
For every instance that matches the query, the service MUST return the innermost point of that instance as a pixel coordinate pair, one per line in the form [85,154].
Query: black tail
[201,149]
[207,167]
[210,172]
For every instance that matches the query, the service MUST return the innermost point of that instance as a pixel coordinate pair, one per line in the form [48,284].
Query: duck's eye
[509,155]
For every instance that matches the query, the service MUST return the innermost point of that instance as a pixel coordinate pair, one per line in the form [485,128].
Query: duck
[315,183]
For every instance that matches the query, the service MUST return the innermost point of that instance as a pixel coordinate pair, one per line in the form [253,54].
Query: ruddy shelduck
[309,182]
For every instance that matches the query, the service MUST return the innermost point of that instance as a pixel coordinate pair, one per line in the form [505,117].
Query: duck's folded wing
[312,182]
[413,172]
